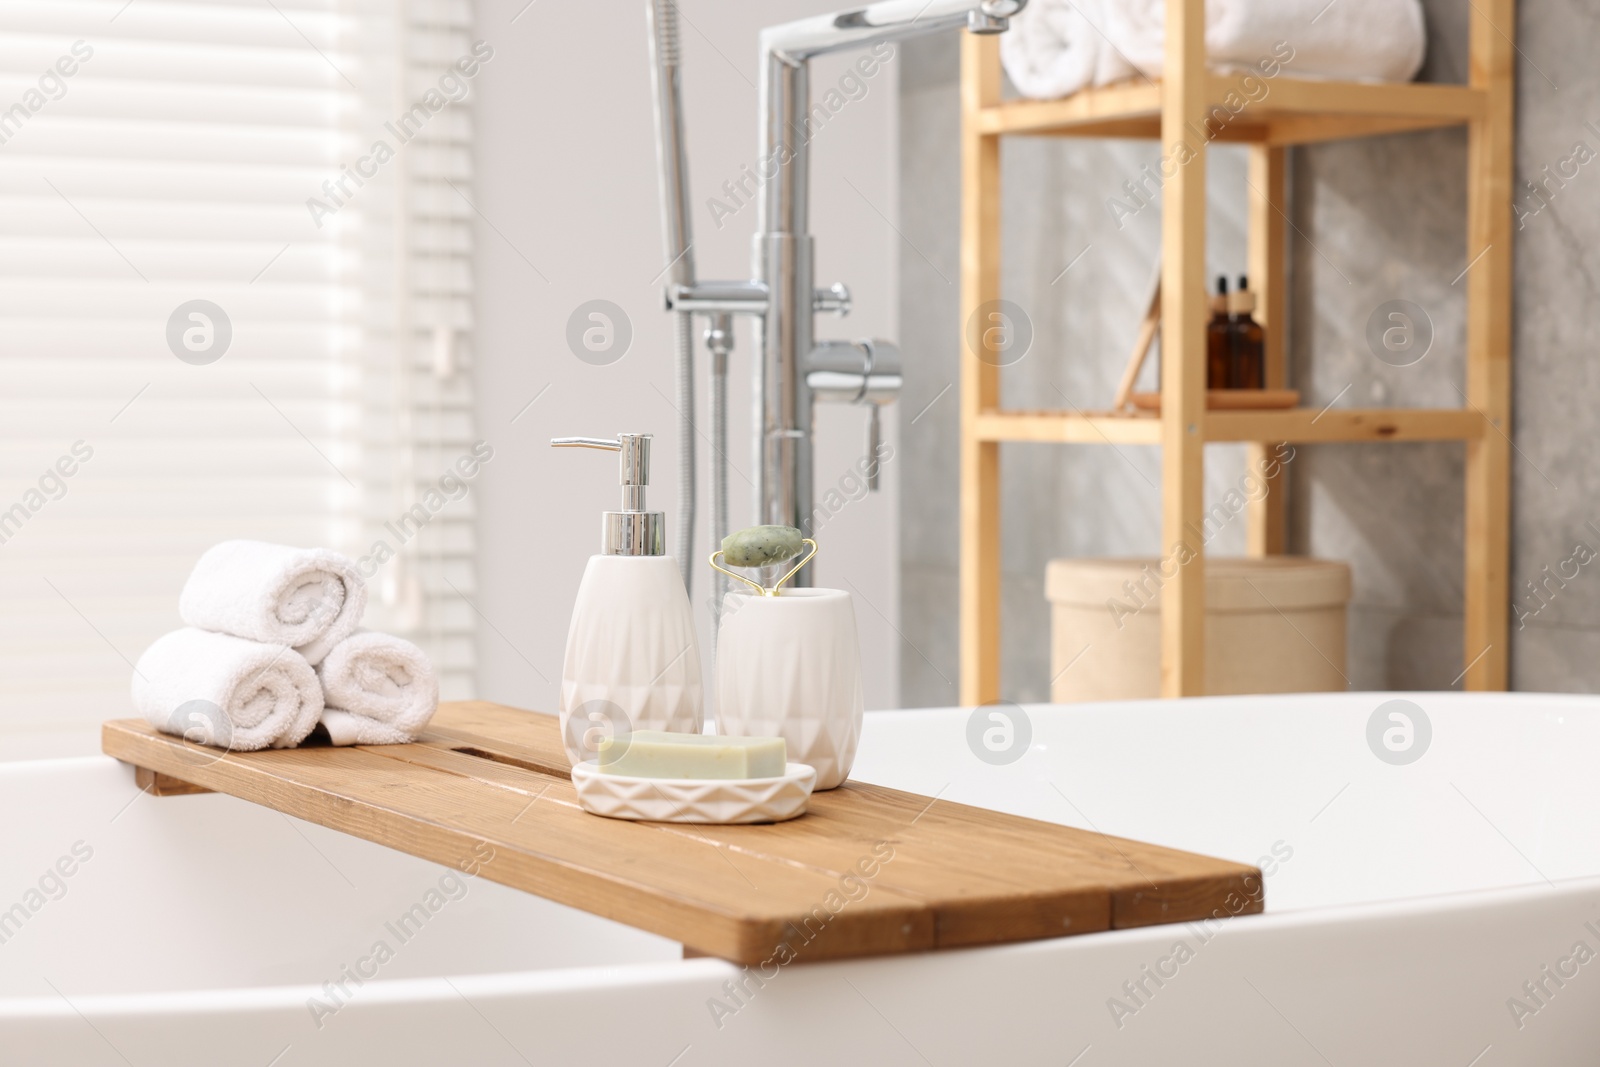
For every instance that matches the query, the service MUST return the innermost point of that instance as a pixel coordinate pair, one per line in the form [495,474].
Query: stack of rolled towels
[271,647]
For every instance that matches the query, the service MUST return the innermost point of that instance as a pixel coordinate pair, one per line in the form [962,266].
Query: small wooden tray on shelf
[1229,400]
[491,781]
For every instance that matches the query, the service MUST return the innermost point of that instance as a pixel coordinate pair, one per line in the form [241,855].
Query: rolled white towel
[222,690]
[379,690]
[307,598]
[1054,48]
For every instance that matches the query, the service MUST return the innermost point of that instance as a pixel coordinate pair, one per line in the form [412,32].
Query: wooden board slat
[978,576]
[164,785]
[927,871]
[1491,189]
[1310,426]
[1070,427]
[1293,110]
[1230,400]
[1298,425]
[1266,529]
[1184,313]
[840,829]
[867,871]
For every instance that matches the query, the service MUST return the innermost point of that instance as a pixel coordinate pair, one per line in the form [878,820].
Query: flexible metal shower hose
[719,473]
[683,537]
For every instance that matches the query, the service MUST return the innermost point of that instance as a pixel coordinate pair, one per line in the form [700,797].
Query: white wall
[565,184]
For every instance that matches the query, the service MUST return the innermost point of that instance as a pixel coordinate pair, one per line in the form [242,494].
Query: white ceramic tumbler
[790,666]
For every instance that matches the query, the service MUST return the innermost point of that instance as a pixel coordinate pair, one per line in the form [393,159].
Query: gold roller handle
[760,589]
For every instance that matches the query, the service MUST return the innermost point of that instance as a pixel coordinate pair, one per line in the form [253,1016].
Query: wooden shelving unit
[1176,111]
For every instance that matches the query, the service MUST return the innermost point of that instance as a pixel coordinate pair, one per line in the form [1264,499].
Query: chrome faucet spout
[890,20]
[791,371]
[788,379]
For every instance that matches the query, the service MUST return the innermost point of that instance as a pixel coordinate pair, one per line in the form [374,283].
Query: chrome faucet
[793,369]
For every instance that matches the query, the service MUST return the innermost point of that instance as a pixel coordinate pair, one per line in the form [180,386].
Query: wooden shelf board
[1292,111]
[487,789]
[1123,102]
[1069,427]
[1444,104]
[1297,425]
[1311,425]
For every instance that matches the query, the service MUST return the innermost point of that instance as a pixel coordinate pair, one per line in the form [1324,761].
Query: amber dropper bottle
[1219,340]
[1249,340]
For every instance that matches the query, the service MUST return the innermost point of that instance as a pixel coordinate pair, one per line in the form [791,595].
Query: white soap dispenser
[633,661]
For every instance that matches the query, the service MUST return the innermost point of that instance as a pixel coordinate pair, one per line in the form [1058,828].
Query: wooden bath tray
[866,871]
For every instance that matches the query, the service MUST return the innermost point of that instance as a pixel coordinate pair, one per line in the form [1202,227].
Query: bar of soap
[660,754]
[757,546]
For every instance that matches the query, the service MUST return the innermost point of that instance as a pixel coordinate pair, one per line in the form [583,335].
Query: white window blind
[157,153]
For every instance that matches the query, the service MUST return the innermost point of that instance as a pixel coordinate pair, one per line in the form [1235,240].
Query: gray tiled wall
[1374,221]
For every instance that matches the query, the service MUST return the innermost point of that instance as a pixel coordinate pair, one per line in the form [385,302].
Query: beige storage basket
[1274,625]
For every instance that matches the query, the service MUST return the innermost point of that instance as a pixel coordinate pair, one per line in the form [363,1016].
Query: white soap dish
[694,800]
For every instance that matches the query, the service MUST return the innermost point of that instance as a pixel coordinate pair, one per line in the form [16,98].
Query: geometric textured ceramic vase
[789,666]
[633,661]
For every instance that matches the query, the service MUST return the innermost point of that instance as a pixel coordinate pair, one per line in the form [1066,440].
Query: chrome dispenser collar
[632,531]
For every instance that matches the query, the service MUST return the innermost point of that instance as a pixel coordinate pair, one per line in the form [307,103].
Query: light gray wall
[565,186]
[1374,221]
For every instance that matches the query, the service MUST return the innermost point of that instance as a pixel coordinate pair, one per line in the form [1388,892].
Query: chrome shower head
[663,17]
[671,161]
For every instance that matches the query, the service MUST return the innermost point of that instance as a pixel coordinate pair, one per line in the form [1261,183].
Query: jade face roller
[762,546]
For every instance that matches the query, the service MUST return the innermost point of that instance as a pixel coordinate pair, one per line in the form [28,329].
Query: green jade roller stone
[758,546]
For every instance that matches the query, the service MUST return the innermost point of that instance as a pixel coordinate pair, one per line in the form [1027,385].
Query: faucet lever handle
[835,299]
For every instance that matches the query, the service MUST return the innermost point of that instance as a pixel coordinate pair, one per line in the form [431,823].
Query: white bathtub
[1406,907]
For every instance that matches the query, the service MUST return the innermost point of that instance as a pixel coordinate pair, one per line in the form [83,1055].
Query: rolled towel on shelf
[379,690]
[1056,47]
[307,598]
[227,691]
